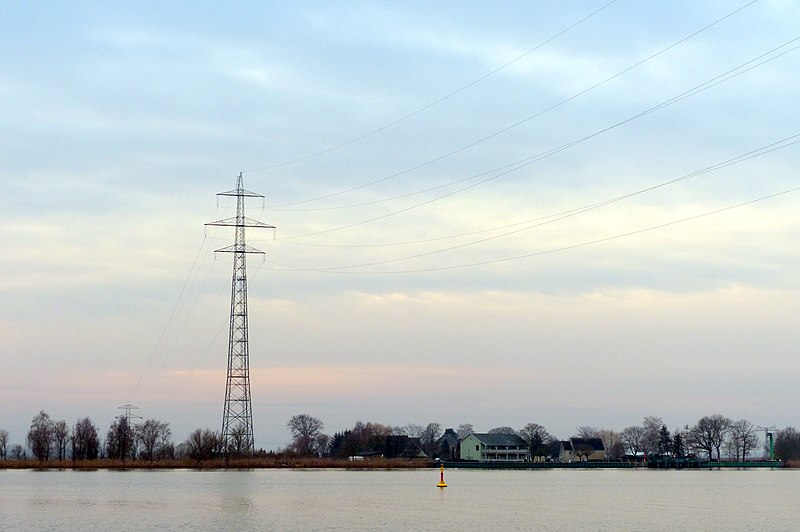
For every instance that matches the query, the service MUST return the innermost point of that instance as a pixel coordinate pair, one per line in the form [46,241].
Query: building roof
[449,436]
[499,439]
[402,446]
[595,444]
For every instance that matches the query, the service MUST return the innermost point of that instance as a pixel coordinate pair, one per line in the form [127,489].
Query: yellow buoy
[442,483]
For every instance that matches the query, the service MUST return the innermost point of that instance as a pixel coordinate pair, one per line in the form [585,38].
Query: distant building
[403,447]
[565,451]
[483,447]
[582,450]
[447,446]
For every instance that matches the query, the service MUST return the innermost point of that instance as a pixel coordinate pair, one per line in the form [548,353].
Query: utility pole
[237,417]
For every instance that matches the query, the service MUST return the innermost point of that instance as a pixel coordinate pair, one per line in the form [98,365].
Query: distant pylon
[237,417]
[128,408]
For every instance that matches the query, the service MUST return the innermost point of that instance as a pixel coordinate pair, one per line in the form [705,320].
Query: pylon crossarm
[242,192]
[245,222]
[234,249]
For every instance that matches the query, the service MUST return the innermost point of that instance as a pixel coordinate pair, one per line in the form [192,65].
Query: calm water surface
[400,500]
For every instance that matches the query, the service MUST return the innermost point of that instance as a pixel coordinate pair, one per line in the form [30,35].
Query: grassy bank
[269,462]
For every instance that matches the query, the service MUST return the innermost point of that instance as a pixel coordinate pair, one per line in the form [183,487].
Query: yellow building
[482,447]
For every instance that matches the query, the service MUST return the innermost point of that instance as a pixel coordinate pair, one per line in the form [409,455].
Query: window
[477,448]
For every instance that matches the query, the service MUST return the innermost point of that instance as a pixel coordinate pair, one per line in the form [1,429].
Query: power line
[435,102]
[522,163]
[582,210]
[168,322]
[769,148]
[516,124]
[180,333]
[545,252]
[175,389]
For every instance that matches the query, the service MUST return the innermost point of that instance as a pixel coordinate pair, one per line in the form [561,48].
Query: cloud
[120,127]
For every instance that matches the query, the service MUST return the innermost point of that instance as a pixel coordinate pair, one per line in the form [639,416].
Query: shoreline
[214,464]
[328,463]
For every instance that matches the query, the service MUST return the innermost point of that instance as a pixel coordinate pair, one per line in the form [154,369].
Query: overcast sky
[569,213]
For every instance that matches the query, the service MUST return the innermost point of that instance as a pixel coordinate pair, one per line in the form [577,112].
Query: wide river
[400,500]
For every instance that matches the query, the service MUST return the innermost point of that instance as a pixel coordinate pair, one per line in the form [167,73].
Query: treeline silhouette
[150,441]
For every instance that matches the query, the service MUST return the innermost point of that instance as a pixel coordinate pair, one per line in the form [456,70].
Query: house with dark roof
[582,450]
[483,447]
[447,446]
[399,446]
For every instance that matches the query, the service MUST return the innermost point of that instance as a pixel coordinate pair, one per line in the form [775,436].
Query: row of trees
[55,439]
[711,437]
[149,440]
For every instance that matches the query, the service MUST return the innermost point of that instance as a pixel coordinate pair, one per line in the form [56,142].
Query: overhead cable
[523,163]
[516,124]
[288,268]
[774,146]
[435,102]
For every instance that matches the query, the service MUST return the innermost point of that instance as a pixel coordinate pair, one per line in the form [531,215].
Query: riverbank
[282,462]
[692,464]
[269,462]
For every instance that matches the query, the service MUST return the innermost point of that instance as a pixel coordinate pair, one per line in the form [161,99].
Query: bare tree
[701,439]
[612,442]
[61,438]
[237,444]
[429,436]
[202,444]
[587,431]
[710,432]
[502,430]
[652,434]
[121,440]
[154,437]
[632,439]
[3,443]
[413,431]
[85,440]
[369,436]
[536,437]
[464,430]
[17,452]
[321,444]
[304,429]
[40,436]
[743,438]
[787,444]
[165,448]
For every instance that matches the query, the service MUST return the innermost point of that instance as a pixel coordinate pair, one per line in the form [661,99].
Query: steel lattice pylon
[237,417]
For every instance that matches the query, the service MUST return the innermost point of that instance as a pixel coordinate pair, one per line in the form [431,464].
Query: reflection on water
[399,500]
